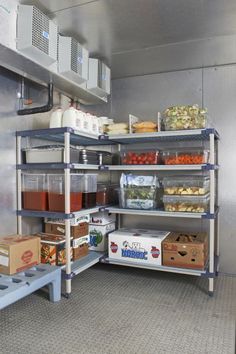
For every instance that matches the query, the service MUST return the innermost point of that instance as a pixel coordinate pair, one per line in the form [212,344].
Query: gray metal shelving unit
[68,136]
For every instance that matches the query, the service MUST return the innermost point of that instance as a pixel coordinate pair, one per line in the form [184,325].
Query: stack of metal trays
[88,157]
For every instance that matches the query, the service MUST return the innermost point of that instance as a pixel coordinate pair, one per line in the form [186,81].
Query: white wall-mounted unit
[72,59]
[99,81]
[37,35]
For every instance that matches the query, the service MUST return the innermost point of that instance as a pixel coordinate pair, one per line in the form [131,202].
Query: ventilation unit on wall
[37,35]
[72,59]
[99,80]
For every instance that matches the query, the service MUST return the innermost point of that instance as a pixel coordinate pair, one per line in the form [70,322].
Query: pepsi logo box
[136,245]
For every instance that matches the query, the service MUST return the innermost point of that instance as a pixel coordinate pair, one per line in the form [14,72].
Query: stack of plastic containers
[34,191]
[186,193]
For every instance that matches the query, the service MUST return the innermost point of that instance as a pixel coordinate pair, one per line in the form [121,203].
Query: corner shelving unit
[69,136]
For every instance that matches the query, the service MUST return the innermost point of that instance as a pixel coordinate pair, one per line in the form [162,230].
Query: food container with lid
[56,119]
[89,189]
[50,154]
[184,117]
[34,191]
[186,185]
[141,157]
[190,204]
[137,198]
[56,192]
[192,156]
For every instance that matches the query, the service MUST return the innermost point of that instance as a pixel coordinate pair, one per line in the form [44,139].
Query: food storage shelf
[58,166]
[152,267]
[156,212]
[55,215]
[57,135]
[178,135]
[19,63]
[84,263]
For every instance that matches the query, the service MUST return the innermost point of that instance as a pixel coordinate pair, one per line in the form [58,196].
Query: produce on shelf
[138,192]
[141,158]
[186,185]
[185,157]
[144,127]
[117,128]
[184,117]
[186,204]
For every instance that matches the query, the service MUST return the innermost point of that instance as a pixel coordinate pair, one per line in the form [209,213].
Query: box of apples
[141,158]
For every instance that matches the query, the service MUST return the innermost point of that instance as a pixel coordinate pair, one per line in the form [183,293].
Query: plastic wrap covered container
[190,204]
[34,191]
[138,192]
[184,117]
[141,157]
[194,156]
[56,192]
[186,185]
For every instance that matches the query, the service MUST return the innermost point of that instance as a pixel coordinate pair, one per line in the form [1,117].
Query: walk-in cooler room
[117,176]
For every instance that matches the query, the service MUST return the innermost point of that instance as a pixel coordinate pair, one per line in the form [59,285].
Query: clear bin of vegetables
[141,157]
[185,156]
[186,185]
[190,204]
[184,117]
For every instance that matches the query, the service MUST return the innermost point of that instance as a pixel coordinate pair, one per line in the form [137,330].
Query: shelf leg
[212,211]
[67,211]
[18,176]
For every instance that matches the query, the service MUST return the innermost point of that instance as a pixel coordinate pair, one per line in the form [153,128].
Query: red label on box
[27,256]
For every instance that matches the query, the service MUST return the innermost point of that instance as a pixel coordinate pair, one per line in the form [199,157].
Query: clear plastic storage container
[138,198]
[141,157]
[34,191]
[184,117]
[196,156]
[190,204]
[186,185]
[89,190]
[56,192]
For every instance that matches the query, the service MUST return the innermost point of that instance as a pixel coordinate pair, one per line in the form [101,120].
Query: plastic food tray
[190,204]
[141,157]
[186,185]
[185,157]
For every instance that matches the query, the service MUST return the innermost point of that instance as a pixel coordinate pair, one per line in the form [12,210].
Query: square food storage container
[195,156]
[106,194]
[186,185]
[89,189]
[141,157]
[56,192]
[50,154]
[34,191]
[190,204]
[138,198]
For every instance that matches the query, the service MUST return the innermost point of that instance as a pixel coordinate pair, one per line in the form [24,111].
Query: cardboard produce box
[80,251]
[18,253]
[74,222]
[185,250]
[102,218]
[98,236]
[82,229]
[136,245]
[53,249]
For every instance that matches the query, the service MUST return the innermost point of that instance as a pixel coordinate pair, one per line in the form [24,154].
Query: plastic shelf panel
[160,213]
[56,215]
[84,263]
[153,267]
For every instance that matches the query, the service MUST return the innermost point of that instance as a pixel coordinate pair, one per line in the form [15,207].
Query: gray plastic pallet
[15,287]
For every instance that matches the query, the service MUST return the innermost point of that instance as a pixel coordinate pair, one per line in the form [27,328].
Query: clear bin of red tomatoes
[141,158]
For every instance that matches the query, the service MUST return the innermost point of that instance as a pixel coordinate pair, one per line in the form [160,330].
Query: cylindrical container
[34,191]
[56,119]
[69,118]
[56,192]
